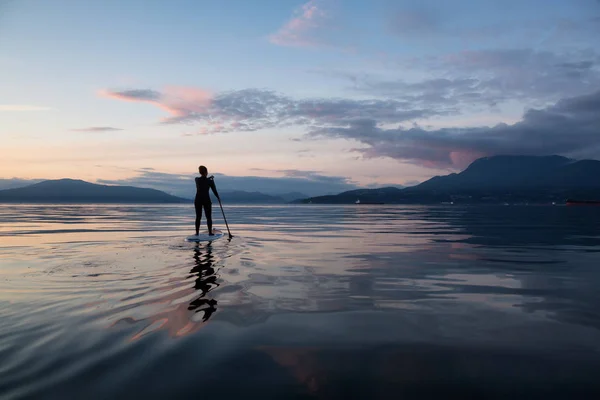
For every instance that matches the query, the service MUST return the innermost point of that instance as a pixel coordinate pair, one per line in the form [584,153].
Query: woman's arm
[213,187]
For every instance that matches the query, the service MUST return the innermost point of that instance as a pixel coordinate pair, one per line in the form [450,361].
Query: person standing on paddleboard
[202,199]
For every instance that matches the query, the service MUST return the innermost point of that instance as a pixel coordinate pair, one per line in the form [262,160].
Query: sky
[285,95]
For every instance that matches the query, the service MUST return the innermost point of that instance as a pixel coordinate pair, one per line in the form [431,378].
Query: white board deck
[205,237]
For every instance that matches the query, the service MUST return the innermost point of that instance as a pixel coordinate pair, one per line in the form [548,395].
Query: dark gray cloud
[564,128]
[98,129]
[463,82]
[137,95]
[310,183]
[571,127]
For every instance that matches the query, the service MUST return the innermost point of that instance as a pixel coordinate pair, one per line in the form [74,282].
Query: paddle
[228,231]
[223,212]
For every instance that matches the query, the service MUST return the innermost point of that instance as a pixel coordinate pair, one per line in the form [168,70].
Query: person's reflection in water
[205,282]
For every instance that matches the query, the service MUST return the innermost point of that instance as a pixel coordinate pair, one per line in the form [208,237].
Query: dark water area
[305,302]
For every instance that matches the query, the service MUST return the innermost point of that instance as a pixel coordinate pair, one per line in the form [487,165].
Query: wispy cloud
[97,129]
[302,30]
[22,107]
[485,78]
[299,173]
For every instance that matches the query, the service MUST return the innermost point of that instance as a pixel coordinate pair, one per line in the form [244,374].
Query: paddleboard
[205,237]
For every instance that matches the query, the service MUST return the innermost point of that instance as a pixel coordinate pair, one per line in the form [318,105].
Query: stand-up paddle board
[205,237]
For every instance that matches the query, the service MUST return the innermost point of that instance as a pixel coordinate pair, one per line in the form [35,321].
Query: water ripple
[109,301]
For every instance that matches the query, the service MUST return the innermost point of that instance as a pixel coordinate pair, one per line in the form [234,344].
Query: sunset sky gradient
[334,92]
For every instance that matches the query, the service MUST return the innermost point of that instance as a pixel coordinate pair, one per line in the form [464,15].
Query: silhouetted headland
[492,180]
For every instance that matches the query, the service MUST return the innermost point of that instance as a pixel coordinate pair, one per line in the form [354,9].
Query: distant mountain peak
[492,178]
[504,159]
[64,181]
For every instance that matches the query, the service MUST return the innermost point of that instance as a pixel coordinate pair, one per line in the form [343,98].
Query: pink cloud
[97,129]
[182,101]
[179,102]
[299,31]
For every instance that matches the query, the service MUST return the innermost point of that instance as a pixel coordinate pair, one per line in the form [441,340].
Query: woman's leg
[198,207]
[208,212]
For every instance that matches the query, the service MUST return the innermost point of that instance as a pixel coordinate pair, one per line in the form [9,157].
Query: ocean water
[323,302]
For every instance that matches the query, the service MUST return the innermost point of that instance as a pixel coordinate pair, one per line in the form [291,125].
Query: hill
[364,195]
[242,197]
[496,179]
[514,172]
[292,196]
[78,191]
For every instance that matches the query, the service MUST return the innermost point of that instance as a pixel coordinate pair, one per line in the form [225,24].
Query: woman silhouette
[202,199]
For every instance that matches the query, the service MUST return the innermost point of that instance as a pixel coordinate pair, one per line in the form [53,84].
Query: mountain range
[243,197]
[78,191]
[498,179]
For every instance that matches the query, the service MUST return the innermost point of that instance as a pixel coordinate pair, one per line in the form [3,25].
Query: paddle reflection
[206,280]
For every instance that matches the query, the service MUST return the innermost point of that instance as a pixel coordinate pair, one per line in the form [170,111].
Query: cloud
[514,59]
[97,129]
[526,74]
[312,175]
[179,102]
[487,78]
[135,95]
[439,92]
[310,184]
[570,127]
[315,176]
[22,107]
[554,56]
[255,109]
[465,81]
[302,30]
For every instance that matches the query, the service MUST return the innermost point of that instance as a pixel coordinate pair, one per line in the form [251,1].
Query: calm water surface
[109,302]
